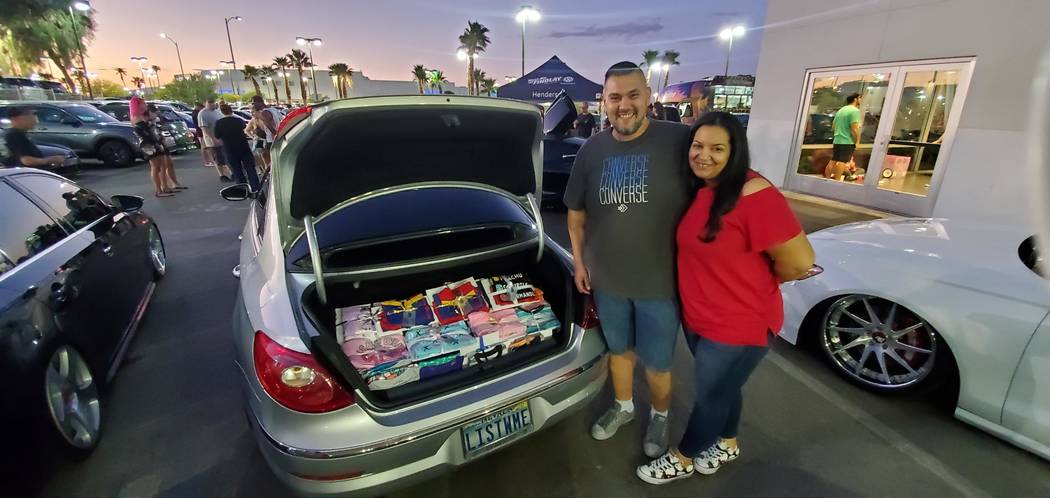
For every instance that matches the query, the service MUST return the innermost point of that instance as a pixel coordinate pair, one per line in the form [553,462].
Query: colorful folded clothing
[397,315]
[394,377]
[440,365]
[391,347]
[357,321]
[457,337]
[510,290]
[504,323]
[361,352]
[423,342]
[537,317]
[453,302]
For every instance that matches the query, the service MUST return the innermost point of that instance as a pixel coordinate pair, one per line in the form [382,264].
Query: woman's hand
[792,259]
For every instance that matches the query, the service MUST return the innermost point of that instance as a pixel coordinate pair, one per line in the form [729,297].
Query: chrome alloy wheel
[156,252]
[72,398]
[878,342]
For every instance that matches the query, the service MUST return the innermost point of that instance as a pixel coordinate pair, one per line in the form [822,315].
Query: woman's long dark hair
[730,182]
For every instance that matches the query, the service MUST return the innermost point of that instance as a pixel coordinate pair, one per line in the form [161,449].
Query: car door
[34,249]
[1027,408]
[59,127]
[110,277]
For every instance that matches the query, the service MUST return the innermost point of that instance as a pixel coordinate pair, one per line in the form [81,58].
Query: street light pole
[177,52]
[232,87]
[233,60]
[310,42]
[730,34]
[525,14]
[82,6]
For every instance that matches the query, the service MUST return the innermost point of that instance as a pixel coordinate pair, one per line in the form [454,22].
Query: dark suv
[83,128]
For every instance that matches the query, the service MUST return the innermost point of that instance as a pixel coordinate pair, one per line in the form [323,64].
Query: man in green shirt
[847,137]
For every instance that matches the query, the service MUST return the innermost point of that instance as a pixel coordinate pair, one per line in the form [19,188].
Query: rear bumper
[399,463]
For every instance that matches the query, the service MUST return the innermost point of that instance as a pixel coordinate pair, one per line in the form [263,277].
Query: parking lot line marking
[935,466]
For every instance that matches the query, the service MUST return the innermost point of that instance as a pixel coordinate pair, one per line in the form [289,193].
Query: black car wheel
[116,153]
[72,402]
[158,258]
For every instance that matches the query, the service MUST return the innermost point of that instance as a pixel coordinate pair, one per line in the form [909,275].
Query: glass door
[827,117]
[899,161]
[925,117]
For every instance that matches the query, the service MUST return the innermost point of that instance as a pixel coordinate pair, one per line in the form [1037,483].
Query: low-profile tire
[882,346]
[71,402]
[158,257]
[116,153]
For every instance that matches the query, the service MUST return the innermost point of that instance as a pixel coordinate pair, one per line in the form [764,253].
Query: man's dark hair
[198,104]
[225,109]
[211,101]
[18,111]
[851,98]
[623,68]
[257,99]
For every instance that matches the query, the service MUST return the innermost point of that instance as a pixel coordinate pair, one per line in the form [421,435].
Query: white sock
[655,413]
[627,406]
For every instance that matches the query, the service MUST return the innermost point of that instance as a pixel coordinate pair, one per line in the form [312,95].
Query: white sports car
[900,304]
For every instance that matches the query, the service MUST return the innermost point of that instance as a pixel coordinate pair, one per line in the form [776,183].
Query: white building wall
[984,177]
[363,86]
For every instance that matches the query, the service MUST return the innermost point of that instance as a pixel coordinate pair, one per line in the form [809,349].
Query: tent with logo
[545,82]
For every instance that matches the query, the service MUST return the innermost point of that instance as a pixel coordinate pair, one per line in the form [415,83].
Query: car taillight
[293,118]
[296,380]
[587,314]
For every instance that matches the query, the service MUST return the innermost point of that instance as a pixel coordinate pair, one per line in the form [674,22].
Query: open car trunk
[549,274]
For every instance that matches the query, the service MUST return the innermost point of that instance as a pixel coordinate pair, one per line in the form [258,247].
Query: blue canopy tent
[544,83]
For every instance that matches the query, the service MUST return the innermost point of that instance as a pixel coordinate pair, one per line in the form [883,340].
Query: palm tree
[156,73]
[122,73]
[341,71]
[479,77]
[671,59]
[252,72]
[419,72]
[269,73]
[299,60]
[488,85]
[473,41]
[138,82]
[282,64]
[436,79]
[651,57]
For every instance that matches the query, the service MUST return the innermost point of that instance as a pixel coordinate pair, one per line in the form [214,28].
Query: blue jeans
[647,326]
[721,372]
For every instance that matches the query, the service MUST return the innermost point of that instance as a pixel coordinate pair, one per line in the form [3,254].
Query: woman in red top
[737,242]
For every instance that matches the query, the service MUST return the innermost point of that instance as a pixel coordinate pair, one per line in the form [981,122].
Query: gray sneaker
[609,422]
[656,436]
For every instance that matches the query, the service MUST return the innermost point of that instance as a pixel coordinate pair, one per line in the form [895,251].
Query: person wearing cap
[15,147]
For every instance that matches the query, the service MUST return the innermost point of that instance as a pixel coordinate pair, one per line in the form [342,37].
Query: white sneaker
[712,459]
[665,469]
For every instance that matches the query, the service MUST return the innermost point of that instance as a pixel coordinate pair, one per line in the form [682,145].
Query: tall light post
[527,13]
[227,64]
[233,60]
[140,61]
[177,52]
[730,34]
[82,6]
[310,43]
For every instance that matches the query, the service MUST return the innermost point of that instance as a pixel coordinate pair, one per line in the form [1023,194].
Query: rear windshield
[415,224]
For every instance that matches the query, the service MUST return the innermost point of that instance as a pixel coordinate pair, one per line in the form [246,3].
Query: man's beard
[631,127]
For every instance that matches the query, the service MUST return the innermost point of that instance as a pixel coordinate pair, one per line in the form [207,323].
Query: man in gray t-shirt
[206,120]
[628,189]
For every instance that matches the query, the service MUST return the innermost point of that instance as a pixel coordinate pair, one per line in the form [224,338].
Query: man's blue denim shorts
[649,327]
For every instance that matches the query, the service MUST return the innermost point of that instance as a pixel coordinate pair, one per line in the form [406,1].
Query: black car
[559,149]
[76,275]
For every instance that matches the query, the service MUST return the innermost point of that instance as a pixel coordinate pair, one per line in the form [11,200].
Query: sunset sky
[384,39]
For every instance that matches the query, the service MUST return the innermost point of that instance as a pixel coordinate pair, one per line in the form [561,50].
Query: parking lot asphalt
[174,426]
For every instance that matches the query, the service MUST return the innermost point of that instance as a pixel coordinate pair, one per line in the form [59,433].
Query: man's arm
[855,128]
[577,221]
[38,162]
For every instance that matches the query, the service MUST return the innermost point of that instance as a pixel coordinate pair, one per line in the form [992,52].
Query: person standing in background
[15,147]
[207,119]
[846,126]
[230,129]
[205,155]
[585,122]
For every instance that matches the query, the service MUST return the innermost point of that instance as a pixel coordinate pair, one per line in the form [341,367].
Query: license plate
[487,433]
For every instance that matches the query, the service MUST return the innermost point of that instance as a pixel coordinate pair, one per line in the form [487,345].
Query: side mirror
[127,203]
[238,192]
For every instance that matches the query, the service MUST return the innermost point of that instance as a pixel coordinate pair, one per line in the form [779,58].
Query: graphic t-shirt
[843,124]
[634,194]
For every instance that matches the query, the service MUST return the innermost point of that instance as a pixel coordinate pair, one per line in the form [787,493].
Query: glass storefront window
[918,129]
[828,96]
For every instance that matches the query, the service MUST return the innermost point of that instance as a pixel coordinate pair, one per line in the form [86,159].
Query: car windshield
[89,114]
